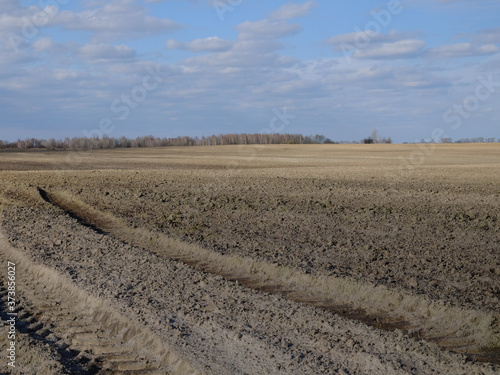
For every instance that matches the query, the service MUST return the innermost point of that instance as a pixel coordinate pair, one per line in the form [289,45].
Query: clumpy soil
[430,228]
[218,325]
[436,241]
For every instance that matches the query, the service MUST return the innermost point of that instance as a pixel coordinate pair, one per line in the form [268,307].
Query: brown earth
[426,231]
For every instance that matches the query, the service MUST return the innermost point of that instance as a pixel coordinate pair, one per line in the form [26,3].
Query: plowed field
[279,259]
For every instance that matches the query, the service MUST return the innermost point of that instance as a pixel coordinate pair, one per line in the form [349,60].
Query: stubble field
[303,259]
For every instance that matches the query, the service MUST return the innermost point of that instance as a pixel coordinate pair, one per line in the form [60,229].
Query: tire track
[28,328]
[469,332]
[84,334]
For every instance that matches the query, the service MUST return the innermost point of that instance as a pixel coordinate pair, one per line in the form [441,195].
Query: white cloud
[488,36]
[462,50]
[266,29]
[105,52]
[72,84]
[374,45]
[10,5]
[26,20]
[210,44]
[9,22]
[298,86]
[115,20]
[44,44]
[397,50]
[65,74]
[255,46]
[289,11]
[73,53]
[357,39]
[249,54]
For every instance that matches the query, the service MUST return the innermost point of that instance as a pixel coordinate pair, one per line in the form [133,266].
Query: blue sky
[412,69]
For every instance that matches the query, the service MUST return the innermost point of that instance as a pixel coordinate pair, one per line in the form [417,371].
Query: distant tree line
[84,143]
[469,140]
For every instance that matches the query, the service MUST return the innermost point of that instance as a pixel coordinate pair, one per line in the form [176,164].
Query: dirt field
[289,259]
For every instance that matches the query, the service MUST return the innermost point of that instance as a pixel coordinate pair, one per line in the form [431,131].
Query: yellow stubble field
[403,238]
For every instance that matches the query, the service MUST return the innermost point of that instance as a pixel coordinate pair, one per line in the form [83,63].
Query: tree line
[470,140]
[105,142]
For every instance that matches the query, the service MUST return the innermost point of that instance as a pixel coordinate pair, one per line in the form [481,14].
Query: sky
[411,69]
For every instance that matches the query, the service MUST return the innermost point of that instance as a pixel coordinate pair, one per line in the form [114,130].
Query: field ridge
[85,335]
[465,331]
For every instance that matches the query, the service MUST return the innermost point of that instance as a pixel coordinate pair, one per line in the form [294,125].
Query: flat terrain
[276,259]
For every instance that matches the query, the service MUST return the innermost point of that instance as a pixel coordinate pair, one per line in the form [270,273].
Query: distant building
[368,140]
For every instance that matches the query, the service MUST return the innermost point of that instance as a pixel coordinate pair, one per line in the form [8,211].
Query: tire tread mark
[93,340]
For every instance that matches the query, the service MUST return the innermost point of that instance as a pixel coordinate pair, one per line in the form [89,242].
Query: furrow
[89,336]
[470,332]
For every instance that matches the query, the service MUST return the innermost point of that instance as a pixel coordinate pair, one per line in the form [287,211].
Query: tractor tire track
[31,334]
[477,335]
[222,327]
[84,335]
